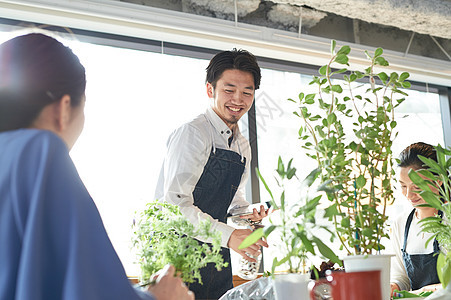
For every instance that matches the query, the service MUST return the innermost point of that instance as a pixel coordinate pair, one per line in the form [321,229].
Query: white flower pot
[291,286]
[370,263]
[442,294]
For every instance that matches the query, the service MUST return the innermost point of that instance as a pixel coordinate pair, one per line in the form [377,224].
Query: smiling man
[207,163]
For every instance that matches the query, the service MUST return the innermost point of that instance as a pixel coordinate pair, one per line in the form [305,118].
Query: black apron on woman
[421,268]
[213,194]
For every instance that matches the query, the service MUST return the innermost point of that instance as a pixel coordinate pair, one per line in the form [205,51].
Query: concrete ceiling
[417,27]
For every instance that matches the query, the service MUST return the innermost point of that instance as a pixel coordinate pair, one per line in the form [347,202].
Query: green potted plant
[438,172]
[348,129]
[162,235]
[294,222]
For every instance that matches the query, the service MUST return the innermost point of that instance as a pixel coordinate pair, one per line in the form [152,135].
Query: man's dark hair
[236,59]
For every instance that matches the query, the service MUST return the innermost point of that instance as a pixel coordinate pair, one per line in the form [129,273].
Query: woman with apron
[414,266]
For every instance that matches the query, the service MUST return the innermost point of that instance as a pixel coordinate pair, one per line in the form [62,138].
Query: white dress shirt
[415,245]
[189,148]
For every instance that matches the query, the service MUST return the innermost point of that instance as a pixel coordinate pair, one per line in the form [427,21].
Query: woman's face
[408,188]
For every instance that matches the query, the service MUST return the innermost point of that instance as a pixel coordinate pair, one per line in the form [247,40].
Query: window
[136,98]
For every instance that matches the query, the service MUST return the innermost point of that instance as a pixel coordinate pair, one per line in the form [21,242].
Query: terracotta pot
[364,285]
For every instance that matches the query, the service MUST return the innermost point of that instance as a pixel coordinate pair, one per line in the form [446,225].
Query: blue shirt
[53,244]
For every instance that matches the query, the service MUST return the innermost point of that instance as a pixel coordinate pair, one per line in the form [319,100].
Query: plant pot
[359,263]
[442,294]
[348,286]
[292,286]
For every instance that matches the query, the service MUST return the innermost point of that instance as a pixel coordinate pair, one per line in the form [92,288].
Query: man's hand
[393,287]
[257,215]
[169,287]
[238,236]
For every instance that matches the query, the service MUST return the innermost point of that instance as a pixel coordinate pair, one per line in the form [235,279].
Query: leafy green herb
[162,235]
[350,134]
[293,221]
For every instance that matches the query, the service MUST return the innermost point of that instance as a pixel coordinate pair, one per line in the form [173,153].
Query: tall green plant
[163,235]
[437,173]
[296,222]
[349,131]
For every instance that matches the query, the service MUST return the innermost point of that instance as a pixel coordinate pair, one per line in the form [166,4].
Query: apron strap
[406,230]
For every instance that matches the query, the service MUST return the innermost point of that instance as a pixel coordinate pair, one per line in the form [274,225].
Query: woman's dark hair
[36,70]
[409,156]
[236,59]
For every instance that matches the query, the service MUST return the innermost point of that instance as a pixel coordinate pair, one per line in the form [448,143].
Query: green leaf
[280,168]
[331,211]
[383,76]
[339,71]
[301,96]
[336,88]
[446,272]
[323,70]
[333,44]
[309,101]
[291,172]
[393,76]
[403,76]
[418,180]
[311,177]
[367,232]
[360,181]
[431,198]
[264,183]
[342,59]
[406,84]
[440,264]
[306,242]
[345,222]
[251,239]
[345,50]
[378,52]
[381,61]
[268,229]
[326,251]
[310,97]
[331,119]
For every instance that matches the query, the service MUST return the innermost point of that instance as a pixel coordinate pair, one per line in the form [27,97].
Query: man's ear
[63,112]
[210,90]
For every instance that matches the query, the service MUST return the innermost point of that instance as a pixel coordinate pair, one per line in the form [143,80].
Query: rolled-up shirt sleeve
[188,153]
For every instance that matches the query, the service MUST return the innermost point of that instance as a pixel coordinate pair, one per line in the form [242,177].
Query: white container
[291,286]
[359,263]
[249,270]
[441,294]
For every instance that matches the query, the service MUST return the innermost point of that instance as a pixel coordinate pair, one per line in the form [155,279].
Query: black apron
[213,194]
[421,268]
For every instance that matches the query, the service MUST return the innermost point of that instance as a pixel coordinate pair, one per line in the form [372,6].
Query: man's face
[233,95]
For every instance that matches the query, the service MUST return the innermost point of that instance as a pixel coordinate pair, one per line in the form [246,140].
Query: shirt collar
[219,125]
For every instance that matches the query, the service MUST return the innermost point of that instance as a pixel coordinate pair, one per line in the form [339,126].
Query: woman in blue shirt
[53,244]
